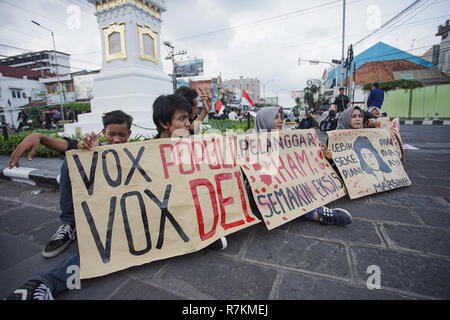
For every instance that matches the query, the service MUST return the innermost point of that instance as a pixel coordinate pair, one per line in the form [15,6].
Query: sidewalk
[405,232]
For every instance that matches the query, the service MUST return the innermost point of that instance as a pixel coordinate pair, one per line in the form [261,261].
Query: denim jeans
[56,278]
[65,196]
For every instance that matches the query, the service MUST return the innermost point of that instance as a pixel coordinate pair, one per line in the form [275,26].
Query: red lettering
[164,160]
[210,165]
[302,159]
[294,167]
[194,184]
[197,160]
[180,158]
[225,202]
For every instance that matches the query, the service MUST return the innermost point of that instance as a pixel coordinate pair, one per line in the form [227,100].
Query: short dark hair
[368,115]
[341,88]
[363,142]
[117,117]
[376,84]
[188,93]
[165,107]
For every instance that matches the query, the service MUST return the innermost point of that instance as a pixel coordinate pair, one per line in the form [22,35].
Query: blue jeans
[65,196]
[56,278]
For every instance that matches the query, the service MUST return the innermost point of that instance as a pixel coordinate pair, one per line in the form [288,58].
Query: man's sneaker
[31,290]
[337,216]
[219,245]
[60,241]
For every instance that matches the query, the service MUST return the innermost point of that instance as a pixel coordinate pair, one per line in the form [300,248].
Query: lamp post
[264,88]
[56,65]
[315,62]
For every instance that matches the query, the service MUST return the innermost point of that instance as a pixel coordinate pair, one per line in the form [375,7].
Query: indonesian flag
[246,101]
[219,106]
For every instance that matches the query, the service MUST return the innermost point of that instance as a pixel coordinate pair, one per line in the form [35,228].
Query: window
[13,94]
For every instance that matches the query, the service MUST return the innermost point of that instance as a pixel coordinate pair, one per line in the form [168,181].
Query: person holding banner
[270,119]
[195,119]
[351,118]
[171,117]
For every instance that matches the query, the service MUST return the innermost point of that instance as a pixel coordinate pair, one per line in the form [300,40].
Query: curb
[425,122]
[31,176]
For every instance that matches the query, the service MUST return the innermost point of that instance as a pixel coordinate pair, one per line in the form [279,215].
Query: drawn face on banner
[370,159]
[367,160]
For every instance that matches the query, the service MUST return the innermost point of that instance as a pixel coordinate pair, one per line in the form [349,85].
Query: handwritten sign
[367,161]
[393,126]
[287,173]
[145,201]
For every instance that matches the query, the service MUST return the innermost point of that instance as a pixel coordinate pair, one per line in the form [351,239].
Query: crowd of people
[174,115]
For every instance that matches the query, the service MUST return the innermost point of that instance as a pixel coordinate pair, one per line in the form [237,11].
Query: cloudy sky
[252,38]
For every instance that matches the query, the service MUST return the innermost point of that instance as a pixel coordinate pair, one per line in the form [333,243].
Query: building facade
[444,49]
[250,85]
[42,61]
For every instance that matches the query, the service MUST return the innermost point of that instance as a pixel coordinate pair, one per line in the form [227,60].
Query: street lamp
[315,62]
[56,65]
[264,88]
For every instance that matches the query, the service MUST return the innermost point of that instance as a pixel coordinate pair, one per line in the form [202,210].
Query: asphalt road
[405,233]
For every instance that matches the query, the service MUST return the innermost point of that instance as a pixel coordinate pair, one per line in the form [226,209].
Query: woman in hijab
[271,119]
[351,118]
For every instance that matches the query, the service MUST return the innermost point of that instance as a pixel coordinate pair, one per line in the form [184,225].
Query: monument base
[132,90]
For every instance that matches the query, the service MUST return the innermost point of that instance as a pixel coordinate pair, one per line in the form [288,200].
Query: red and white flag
[246,101]
[219,106]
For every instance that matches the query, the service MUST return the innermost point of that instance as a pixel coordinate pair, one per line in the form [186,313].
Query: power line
[388,22]
[33,12]
[260,21]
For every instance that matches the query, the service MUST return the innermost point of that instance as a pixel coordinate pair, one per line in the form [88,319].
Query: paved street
[405,232]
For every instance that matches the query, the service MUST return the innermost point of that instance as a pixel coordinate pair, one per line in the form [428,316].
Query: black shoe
[60,241]
[337,216]
[31,290]
[219,245]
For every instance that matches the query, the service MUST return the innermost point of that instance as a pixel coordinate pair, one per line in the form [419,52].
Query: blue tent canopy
[380,52]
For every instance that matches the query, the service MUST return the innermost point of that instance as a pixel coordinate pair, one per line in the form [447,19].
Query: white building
[18,88]
[444,52]
[42,61]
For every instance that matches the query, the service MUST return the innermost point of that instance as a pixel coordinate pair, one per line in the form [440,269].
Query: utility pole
[171,56]
[343,42]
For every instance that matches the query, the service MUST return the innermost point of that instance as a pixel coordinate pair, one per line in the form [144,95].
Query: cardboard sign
[393,126]
[367,161]
[145,201]
[287,173]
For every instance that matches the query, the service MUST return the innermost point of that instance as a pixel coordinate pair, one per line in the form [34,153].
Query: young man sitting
[116,129]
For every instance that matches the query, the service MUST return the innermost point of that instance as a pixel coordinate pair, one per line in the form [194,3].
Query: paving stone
[17,274]
[134,290]
[220,277]
[13,250]
[7,204]
[435,218]
[357,231]
[397,197]
[379,212]
[289,250]
[295,286]
[435,181]
[26,219]
[96,289]
[437,191]
[417,274]
[427,240]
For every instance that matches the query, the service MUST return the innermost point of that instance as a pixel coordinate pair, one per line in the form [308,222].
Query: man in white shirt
[232,115]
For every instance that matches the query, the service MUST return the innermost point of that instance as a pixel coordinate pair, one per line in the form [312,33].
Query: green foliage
[223,125]
[395,84]
[8,146]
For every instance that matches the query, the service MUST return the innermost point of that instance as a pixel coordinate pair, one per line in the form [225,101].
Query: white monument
[132,76]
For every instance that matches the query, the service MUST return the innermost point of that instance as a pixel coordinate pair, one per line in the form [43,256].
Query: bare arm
[32,143]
